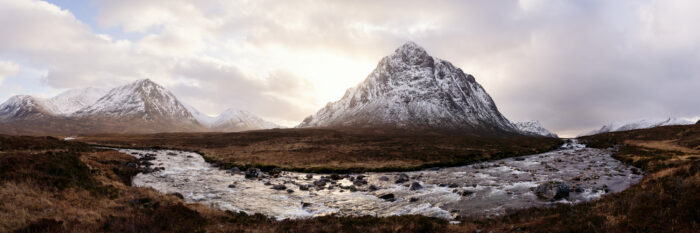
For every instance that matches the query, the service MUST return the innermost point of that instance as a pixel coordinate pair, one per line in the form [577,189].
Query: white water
[493,187]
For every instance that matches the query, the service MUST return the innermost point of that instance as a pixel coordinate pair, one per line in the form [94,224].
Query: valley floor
[334,151]
[51,185]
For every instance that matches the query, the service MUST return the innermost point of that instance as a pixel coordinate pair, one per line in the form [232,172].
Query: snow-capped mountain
[73,100]
[64,104]
[410,89]
[142,99]
[535,128]
[23,107]
[139,107]
[641,124]
[233,120]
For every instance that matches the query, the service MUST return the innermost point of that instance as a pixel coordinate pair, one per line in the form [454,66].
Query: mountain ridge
[138,107]
[411,89]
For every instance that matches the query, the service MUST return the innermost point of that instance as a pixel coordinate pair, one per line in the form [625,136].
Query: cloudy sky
[572,65]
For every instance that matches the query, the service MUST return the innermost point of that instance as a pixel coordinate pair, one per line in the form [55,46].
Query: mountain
[640,124]
[73,100]
[233,120]
[409,89]
[142,99]
[24,107]
[139,107]
[534,128]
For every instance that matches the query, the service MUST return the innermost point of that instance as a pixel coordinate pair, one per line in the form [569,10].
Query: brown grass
[326,150]
[665,200]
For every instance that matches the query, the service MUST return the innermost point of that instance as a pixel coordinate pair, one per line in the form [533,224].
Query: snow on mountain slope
[202,118]
[641,124]
[534,127]
[23,106]
[410,89]
[73,100]
[141,99]
[231,120]
[238,120]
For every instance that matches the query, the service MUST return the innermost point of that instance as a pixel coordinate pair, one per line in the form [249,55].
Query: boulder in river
[275,172]
[552,190]
[279,187]
[358,182]
[384,178]
[388,197]
[252,173]
[401,178]
[415,186]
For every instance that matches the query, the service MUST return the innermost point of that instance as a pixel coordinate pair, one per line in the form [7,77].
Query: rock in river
[552,190]
[401,178]
[253,173]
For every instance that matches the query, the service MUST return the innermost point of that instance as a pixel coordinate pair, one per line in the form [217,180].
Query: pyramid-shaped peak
[144,82]
[410,54]
[411,47]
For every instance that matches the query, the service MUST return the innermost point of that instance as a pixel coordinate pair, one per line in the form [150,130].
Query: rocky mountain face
[139,107]
[23,107]
[534,128]
[409,89]
[640,124]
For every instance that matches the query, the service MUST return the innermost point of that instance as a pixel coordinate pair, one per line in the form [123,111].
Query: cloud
[7,69]
[573,65]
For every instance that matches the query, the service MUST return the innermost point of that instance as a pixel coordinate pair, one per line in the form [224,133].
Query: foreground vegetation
[49,185]
[338,151]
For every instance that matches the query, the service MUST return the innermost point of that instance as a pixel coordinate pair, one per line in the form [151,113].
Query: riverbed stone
[552,190]
[279,187]
[415,186]
[401,178]
[252,173]
[388,197]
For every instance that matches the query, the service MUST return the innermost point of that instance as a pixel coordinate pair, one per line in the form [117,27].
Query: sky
[572,65]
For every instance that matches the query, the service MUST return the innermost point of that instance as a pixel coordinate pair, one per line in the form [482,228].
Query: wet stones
[321,182]
[253,173]
[303,187]
[309,176]
[401,178]
[462,192]
[233,186]
[305,204]
[235,170]
[275,172]
[415,186]
[171,154]
[359,182]
[552,190]
[336,177]
[373,188]
[413,199]
[279,187]
[384,178]
[388,197]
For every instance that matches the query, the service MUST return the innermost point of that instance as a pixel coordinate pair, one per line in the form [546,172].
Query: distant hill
[139,107]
